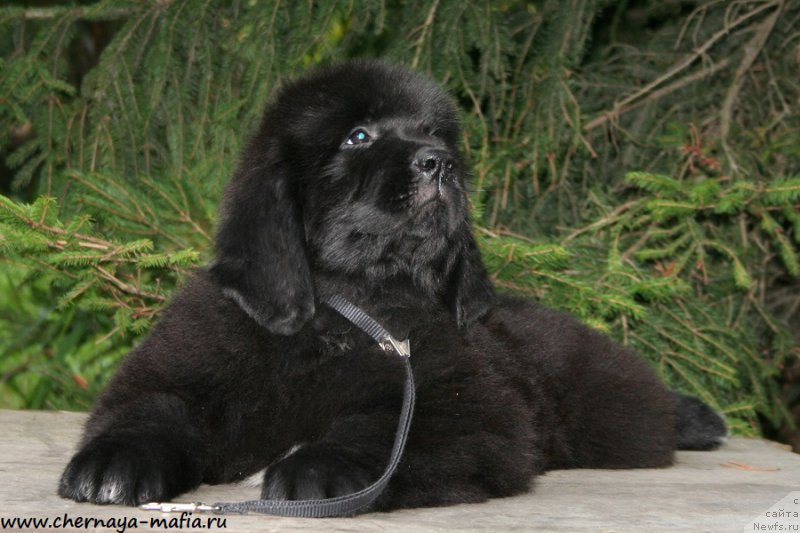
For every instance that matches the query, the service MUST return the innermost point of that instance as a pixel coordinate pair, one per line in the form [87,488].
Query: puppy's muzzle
[432,165]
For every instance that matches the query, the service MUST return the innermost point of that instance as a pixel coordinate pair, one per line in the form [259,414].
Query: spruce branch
[424,30]
[49,13]
[624,104]
[98,271]
[126,287]
[751,50]
[611,218]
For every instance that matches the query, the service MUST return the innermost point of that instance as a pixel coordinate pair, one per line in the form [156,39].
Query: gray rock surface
[725,490]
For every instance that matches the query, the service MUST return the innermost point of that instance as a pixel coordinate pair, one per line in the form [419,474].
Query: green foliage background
[635,162]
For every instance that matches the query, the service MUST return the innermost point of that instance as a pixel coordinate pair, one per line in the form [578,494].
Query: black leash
[341,505]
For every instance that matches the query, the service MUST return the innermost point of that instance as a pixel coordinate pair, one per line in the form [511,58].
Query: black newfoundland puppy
[354,186]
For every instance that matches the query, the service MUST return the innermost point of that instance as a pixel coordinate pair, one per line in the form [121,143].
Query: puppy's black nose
[432,163]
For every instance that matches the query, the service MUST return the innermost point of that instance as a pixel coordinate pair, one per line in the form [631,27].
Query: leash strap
[342,505]
[361,319]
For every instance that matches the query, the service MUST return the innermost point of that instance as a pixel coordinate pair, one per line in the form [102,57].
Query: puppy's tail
[697,426]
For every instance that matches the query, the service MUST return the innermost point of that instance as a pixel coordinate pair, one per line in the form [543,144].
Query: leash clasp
[390,344]
[177,507]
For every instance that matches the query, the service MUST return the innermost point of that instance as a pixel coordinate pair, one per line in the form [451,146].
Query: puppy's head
[355,170]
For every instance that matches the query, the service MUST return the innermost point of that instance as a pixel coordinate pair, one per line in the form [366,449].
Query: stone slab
[725,490]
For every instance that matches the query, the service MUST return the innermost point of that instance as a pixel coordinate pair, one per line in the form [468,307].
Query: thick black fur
[247,369]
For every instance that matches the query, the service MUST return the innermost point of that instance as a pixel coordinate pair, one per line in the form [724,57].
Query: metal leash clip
[390,344]
[177,507]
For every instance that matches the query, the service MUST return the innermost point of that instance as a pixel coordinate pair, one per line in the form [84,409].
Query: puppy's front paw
[122,471]
[308,476]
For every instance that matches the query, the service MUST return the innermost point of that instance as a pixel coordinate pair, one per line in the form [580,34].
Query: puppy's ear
[260,246]
[470,293]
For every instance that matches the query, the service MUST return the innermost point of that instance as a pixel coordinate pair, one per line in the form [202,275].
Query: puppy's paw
[309,476]
[130,473]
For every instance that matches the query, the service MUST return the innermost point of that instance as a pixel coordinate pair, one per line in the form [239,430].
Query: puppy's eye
[358,136]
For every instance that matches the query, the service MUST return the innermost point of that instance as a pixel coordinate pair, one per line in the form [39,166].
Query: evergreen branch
[669,250]
[751,51]
[657,95]
[424,29]
[183,213]
[127,288]
[84,240]
[66,12]
[697,332]
[690,378]
[611,218]
[740,274]
[83,244]
[787,190]
[687,61]
[724,372]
